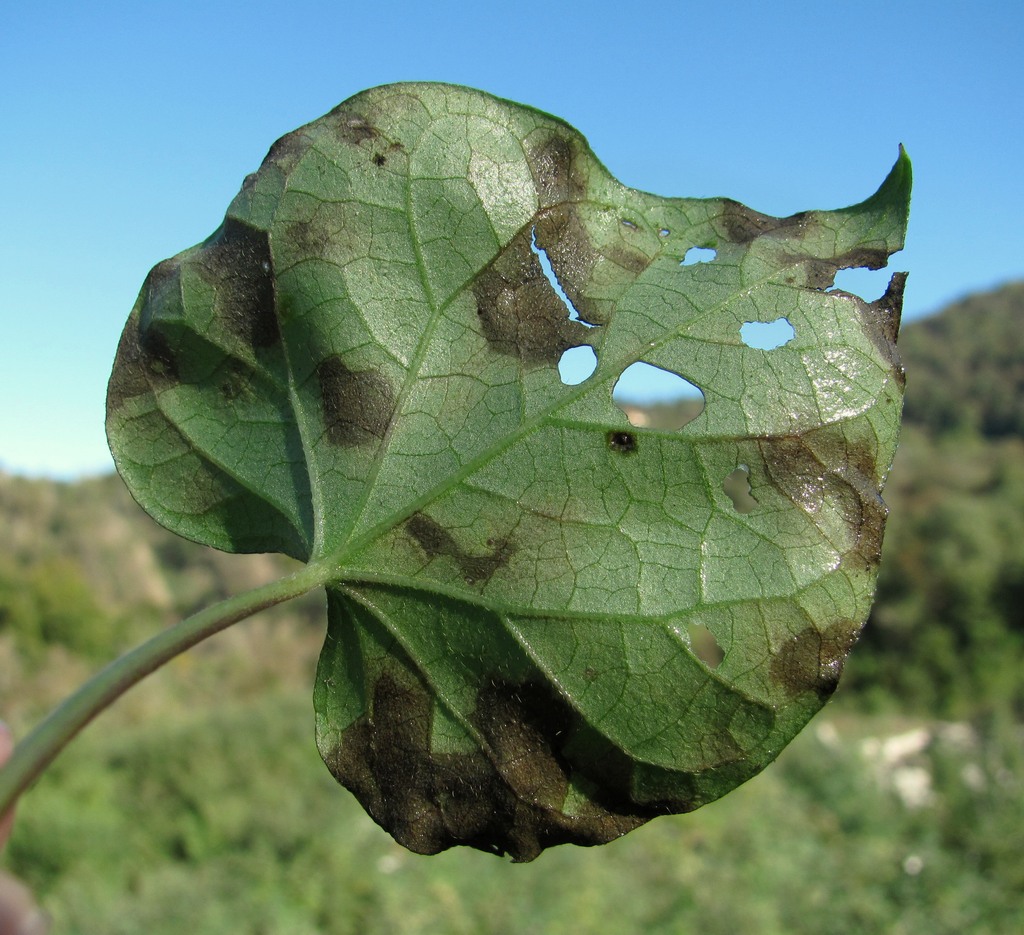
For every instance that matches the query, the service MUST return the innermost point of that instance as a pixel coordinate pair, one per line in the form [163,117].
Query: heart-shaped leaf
[546,624]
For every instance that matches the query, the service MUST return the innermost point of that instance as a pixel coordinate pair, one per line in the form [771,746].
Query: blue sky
[126,129]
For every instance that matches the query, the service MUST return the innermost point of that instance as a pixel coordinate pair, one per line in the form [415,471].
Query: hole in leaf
[656,398]
[664,232]
[549,272]
[632,225]
[697,255]
[767,335]
[704,645]
[577,364]
[869,284]
[737,487]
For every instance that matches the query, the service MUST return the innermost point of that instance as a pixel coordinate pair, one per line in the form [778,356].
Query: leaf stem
[39,748]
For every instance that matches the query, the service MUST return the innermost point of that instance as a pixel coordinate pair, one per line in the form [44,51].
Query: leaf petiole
[33,754]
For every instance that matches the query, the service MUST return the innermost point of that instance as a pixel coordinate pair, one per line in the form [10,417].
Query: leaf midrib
[357,544]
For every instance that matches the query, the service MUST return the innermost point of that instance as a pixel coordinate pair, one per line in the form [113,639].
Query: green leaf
[545,624]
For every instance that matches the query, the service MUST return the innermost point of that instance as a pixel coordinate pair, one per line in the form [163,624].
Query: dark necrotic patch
[554,172]
[741,224]
[562,236]
[882,323]
[540,744]
[431,536]
[833,473]
[821,274]
[862,258]
[506,799]
[159,358]
[286,152]
[384,760]
[128,376]
[812,661]
[357,405]
[794,470]
[146,360]
[237,262]
[889,308]
[526,727]
[436,541]
[623,443]
[351,127]
[631,260]
[520,313]
[236,381]
[865,513]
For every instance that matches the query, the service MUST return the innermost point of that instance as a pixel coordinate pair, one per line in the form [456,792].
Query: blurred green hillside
[947,631]
[198,803]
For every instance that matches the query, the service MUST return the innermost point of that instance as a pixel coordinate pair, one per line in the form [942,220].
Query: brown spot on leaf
[824,468]
[526,727]
[821,272]
[431,536]
[351,128]
[889,307]
[622,442]
[158,357]
[632,261]
[812,661]
[237,262]
[562,236]
[145,360]
[288,151]
[555,174]
[435,541]
[741,224]
[507,798]
[865,513]
[519,311]
[357,405]
[384,759]
[794,470]
[882,323]
[133,365]
[236,380]
[862,258]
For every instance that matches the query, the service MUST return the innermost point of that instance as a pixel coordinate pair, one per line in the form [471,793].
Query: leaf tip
[894,192]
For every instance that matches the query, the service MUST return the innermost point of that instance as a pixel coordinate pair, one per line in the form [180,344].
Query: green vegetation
[947,632]
[970,368]
[224,821]
[897,810]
